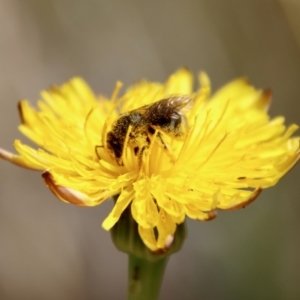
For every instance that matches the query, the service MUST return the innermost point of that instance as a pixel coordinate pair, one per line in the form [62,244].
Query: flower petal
[181,82]
[197,214]
[237,203]
[68,195]
[20,161]
[166,228]
[122,202]
[148,237]
[143,208]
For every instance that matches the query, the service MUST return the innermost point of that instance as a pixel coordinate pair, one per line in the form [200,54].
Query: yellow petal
[181,82]
[20,161]
[122,202]
[66,194]
[148,237]
[166,230]
[237,202]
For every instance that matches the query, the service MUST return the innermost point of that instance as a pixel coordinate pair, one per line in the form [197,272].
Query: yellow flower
[231,150]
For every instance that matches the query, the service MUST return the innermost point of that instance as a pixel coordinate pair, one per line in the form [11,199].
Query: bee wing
[142,110]
[182,103]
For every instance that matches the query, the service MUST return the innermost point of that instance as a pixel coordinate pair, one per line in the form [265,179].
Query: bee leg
[154,132]
[140,151]
[119,162]
[96,151]
[141,156]
[165,146]
[136,150]
[161,140]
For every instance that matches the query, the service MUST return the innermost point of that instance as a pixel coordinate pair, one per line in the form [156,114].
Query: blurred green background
[51,250]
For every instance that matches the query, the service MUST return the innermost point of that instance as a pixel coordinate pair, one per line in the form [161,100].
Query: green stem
[146,268]
[145,277]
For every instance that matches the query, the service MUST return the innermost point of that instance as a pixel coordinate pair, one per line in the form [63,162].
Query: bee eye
[175,120]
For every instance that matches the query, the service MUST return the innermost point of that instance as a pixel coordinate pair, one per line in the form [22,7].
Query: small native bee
[164,116]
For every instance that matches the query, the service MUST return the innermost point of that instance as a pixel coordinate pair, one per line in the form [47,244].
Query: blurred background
[51,250]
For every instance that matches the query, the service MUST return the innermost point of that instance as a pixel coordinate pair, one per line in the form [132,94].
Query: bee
[165,116]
